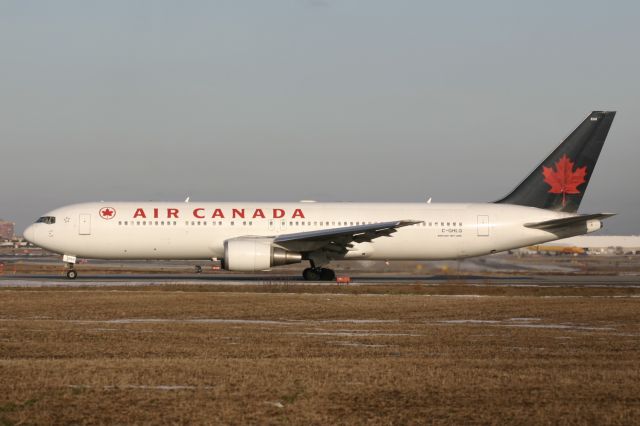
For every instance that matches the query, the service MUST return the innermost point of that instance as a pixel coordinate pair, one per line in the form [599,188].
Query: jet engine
[250,254]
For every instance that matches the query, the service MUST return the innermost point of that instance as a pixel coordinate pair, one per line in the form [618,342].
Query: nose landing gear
[69,262]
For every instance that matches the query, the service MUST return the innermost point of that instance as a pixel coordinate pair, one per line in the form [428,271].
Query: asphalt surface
[617,281]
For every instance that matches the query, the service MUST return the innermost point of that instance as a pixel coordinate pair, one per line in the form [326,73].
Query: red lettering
[237,213]
[258,213]
[155,213]
[298,213]
[278,213]
[218,213]
[139,213]
[198,213]
[172,213]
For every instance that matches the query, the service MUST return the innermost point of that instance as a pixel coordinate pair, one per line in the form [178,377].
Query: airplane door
[483,226]
[85,224]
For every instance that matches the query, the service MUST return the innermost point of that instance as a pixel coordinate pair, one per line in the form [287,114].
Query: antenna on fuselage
[186,200]
[429,200]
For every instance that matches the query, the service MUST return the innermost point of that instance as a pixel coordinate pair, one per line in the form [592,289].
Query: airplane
[253,237]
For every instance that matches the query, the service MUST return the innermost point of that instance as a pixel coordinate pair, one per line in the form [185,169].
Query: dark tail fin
[561,180]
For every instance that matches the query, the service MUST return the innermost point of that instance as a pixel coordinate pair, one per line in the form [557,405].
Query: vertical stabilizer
[561,180]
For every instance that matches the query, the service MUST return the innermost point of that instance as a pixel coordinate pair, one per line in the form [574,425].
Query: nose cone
[30,234]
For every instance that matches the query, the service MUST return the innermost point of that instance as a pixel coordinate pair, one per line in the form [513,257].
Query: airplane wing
[567,221]
[339,240]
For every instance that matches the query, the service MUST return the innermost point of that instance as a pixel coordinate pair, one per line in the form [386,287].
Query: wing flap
[340,239]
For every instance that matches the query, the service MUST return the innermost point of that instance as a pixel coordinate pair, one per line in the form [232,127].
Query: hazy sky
[310,99]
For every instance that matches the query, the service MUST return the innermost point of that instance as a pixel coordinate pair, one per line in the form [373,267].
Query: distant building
[6,230]
[593,244]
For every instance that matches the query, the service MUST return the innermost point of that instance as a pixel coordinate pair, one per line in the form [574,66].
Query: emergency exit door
[483,226]
[84,227]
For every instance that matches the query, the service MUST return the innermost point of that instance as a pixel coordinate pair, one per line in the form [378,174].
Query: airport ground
[554,344]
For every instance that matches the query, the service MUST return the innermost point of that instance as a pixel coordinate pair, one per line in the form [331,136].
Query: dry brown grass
[201,356]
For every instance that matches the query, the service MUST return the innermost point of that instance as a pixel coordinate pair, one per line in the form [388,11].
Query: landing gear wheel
[72,274]
[311,274]
[319,274]
[327,274]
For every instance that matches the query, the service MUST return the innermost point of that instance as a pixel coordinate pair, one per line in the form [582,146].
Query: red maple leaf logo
[564,180]
[107,213]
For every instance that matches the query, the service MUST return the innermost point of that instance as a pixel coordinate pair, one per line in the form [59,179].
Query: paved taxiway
[100,280]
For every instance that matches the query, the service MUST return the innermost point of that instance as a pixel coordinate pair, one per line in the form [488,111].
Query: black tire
[327,274]
[72,274]
[311,274]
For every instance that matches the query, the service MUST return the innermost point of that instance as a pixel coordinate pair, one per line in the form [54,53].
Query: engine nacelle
[250,254]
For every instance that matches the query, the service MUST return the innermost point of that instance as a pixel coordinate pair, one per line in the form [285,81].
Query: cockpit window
[50,220]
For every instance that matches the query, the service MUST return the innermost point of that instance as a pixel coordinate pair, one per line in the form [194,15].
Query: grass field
[321,355]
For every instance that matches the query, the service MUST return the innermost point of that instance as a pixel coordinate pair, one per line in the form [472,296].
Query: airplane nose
[30,234]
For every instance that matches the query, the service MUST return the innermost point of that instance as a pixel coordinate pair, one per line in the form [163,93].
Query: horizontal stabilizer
[567,221]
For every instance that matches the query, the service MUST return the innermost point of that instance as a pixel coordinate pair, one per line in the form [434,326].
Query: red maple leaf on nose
[564,180]
[107,212]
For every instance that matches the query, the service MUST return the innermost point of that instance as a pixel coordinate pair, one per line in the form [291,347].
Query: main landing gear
[319,274]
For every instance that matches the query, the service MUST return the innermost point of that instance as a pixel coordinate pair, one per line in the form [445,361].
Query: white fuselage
[131,230]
